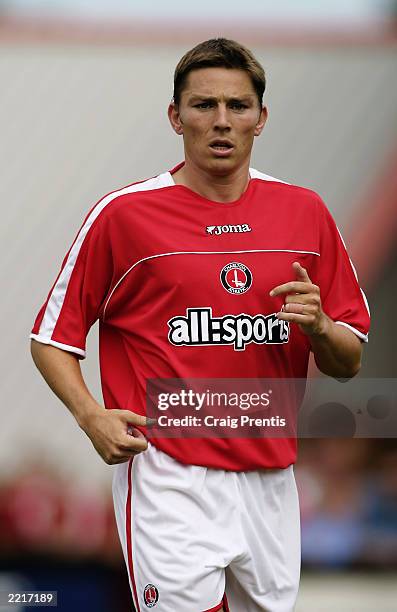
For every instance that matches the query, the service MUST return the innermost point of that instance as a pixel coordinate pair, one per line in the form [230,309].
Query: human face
[218,115]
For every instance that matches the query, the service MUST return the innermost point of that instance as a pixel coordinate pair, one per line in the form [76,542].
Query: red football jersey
[180,285]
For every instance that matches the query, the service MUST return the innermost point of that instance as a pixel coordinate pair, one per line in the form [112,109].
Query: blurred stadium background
[85,87]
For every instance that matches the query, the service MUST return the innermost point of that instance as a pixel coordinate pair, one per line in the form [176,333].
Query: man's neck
[213,187]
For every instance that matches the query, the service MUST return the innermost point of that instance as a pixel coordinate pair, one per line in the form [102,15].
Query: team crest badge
[236,278]
[150,595]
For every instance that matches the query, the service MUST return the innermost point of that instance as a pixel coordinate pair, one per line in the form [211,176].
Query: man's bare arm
[337,350]
[107,429]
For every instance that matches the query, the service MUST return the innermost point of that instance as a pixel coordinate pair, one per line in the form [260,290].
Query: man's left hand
[302,303]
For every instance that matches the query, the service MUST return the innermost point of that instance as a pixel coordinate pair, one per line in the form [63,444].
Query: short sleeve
[342,298]
[75,301]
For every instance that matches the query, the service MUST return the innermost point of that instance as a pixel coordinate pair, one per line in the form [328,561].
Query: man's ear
[261,121]
[175,119]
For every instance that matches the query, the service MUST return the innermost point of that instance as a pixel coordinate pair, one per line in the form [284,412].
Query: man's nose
[222,120]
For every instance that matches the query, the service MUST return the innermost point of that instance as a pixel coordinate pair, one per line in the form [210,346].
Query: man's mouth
[221,146]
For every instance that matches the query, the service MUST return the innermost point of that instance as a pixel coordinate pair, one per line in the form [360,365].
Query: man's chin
[222,166]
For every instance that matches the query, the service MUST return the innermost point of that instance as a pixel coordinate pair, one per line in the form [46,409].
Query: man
[211,270]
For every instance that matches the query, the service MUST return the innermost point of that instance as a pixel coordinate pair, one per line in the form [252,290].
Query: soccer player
[210,270]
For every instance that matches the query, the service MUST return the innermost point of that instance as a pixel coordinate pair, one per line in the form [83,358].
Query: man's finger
[292,317]
[133,418]
[291,287]
[133,443]
[123,458]
[301,272]
[298,298]
[133,431]
[295,307]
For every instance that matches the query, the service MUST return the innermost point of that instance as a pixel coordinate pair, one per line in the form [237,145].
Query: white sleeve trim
[363,337]
[64,347]
[356,275]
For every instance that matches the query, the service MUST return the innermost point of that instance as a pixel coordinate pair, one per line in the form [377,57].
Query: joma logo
[215,230]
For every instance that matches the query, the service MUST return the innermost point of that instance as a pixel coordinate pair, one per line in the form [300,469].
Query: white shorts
[196,538]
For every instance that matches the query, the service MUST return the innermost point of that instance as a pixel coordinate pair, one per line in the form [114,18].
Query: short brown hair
[219,52]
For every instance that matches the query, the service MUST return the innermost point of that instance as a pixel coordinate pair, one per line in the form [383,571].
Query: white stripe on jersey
[200,253]
[265,177]
[57,296]
[363,337]
[64,347]
[356,275]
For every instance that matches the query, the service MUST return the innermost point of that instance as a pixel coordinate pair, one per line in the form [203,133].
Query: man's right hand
[112,432]
[114,435]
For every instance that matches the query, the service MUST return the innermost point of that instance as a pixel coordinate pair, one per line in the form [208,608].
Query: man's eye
[203,105]
[238,106]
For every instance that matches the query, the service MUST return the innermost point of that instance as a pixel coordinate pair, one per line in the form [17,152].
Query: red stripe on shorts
[220,605]
[226,605]
[128,533]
